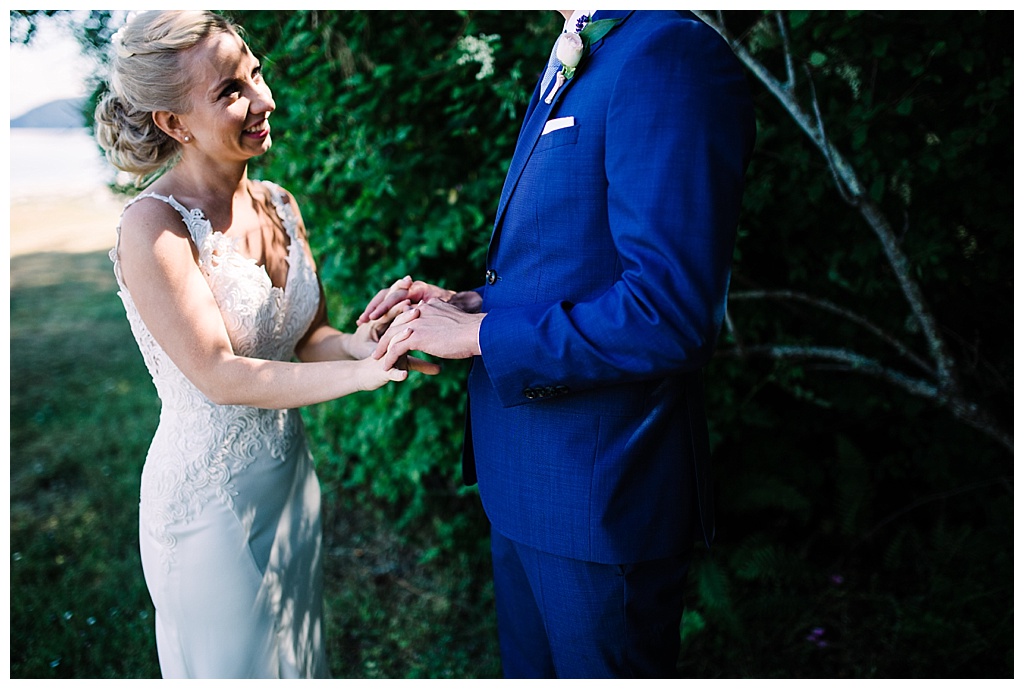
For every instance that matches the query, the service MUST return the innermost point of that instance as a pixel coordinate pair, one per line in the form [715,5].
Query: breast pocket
[560,137]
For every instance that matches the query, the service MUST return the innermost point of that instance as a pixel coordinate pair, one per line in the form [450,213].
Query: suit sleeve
[679,134]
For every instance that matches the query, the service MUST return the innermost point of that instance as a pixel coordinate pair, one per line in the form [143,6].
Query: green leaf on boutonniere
[590,34]
[595,31]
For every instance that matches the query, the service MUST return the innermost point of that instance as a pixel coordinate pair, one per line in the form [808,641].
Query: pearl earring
[187,139]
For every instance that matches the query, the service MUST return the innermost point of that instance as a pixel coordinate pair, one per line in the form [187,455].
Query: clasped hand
[363,342]
[436,321]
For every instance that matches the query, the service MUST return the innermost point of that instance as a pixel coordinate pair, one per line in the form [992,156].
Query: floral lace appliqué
[200,447]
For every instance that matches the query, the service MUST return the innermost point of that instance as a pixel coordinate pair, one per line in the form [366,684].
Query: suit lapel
[537,114]
[532,127]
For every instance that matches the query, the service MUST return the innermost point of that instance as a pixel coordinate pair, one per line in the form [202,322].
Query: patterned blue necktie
[553,66]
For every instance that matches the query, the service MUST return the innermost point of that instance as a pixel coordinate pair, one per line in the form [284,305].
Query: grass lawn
[83,410]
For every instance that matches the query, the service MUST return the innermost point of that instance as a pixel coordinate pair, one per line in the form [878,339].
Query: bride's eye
[232,88]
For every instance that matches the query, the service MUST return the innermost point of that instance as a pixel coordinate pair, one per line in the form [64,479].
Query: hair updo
[146,75]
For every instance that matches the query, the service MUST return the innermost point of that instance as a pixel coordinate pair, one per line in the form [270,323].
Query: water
[56,162]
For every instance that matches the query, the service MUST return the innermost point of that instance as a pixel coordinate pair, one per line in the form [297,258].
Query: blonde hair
[147,75]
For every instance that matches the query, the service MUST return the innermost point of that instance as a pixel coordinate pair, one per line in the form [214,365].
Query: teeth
[255,128]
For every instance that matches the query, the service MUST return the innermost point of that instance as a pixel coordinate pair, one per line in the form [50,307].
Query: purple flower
[815,636]
[837,579]
[581,22]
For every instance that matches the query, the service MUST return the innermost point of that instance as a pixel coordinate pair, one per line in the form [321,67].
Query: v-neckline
[262,268]
[288,234]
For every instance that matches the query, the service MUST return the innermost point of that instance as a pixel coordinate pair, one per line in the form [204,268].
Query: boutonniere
[573,48]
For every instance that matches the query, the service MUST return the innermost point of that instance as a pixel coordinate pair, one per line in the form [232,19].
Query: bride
[222,295]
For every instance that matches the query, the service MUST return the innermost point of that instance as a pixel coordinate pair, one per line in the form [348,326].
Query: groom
[605,290]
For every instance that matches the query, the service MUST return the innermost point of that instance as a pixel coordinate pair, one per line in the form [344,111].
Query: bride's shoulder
[152,208]
[152,222]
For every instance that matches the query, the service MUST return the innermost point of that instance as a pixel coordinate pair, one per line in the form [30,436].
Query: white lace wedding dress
[229,519]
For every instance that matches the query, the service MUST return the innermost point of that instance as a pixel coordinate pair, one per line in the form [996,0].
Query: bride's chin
[264,146]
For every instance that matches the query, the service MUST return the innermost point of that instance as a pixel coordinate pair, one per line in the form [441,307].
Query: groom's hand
[404,290]
[435,328]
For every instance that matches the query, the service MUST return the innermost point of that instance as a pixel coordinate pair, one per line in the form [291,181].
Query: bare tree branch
[963,409]
[826,305]
[854,362]
[937,347]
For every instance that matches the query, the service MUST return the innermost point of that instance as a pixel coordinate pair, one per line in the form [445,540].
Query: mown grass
[83,410]
[82,413]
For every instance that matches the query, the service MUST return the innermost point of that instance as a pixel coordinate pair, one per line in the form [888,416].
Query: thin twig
[790,84]
[853,200]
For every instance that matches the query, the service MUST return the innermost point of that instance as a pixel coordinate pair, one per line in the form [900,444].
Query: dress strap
[284,210]
[198,226]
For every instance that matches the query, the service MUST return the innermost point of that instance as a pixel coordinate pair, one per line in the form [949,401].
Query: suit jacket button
[491,277]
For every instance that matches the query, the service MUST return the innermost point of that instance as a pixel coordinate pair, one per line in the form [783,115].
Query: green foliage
[394,131]
[862,532]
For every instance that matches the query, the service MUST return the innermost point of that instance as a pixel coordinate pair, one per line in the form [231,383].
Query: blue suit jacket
[608,270]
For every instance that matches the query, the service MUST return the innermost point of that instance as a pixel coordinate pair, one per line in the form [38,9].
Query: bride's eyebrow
[233,77]
[222,84]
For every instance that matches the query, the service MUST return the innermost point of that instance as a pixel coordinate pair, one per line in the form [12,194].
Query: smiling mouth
[257,129]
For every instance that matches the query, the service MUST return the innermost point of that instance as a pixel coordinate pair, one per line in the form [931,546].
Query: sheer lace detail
[200,448]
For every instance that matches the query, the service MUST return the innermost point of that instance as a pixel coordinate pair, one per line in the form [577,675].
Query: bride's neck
[208,185]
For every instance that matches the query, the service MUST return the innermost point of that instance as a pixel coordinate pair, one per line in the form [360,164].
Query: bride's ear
[172,126]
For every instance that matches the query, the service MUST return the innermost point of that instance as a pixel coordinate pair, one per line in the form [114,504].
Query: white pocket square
[558,123]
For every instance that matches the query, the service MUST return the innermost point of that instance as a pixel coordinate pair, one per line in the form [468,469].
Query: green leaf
[595,31]
[817,58]
[797,18]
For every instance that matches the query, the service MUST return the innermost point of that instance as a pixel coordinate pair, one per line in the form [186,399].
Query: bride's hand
[404,290]
[375,374]
[368,334]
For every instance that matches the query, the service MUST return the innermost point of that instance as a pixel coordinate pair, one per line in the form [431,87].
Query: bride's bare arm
[322,342]
[159,268]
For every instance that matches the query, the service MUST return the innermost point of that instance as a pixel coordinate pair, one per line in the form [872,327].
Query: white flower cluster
[117,40]
[479,49]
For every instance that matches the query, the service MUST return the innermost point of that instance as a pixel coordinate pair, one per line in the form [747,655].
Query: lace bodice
[201,448]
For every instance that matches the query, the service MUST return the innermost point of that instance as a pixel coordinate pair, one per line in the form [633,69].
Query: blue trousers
[563,618]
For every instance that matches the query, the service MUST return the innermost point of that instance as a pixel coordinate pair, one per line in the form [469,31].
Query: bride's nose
[262,100]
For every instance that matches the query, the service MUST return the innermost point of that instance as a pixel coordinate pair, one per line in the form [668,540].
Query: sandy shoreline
[70,224]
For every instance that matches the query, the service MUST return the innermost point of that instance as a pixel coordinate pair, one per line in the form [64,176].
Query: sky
[51,68]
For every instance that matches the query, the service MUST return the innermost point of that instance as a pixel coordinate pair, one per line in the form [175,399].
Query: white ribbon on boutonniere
[572,48]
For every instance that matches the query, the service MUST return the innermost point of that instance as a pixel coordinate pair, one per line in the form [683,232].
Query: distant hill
[58,114]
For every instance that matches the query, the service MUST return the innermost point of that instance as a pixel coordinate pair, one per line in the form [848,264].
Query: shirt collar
[570,23]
